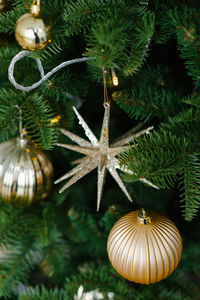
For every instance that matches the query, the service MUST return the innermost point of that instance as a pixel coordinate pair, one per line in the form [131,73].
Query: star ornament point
[98,154]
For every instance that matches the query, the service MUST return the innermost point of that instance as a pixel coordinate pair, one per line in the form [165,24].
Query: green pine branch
[99,21]
[152,94]
[42,293]
[16,266]
[102,278]
[6,54]
[189,187]
[186,23]
[87,234]
[163,157]
[164,30]
[8,19]
[8,113]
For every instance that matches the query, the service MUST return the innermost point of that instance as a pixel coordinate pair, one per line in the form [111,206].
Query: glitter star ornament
[98,154]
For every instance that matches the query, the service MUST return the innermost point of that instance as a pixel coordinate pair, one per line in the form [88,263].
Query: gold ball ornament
[31,32]
[144,247]
[25,172]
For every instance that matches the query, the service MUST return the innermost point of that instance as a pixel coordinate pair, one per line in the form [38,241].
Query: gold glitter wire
[106,102]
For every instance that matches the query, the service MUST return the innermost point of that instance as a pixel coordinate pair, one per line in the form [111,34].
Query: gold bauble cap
[35,8]
[32,33]
[144,247]
[144,217]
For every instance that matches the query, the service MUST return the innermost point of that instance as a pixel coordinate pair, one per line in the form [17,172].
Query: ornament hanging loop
[106,102]
[35,8]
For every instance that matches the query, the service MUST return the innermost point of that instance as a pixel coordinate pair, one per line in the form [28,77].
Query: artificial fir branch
[63,233]
[183,123]
[8,20]
[37,121]
[6,54]
[189,187]
[16,267]
[192,100]
[87,234]
[187,26]
[37,115]
[152,94]
[41,293]
[109,42]
[161,157]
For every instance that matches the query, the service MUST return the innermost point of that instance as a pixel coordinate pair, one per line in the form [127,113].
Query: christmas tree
[141,60]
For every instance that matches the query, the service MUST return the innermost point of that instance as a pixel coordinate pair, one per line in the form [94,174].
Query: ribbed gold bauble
[25,172]
[144,247]
[31,32]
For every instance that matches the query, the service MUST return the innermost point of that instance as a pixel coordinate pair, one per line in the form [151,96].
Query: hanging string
[106,102]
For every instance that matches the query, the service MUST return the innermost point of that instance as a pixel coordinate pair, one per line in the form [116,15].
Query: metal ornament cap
[144,253]
[25,172]
[35,9]
[144,217]
[32,33]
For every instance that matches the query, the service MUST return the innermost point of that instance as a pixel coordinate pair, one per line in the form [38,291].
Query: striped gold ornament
[25,172]
[144,247]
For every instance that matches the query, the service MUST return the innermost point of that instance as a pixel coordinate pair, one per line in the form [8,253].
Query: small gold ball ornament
[25,172]
[144,247]
[31,32]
